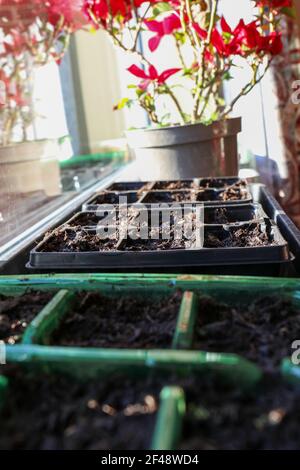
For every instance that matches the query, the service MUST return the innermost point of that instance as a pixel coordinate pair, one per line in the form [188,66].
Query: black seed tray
[209,191]
[111,197]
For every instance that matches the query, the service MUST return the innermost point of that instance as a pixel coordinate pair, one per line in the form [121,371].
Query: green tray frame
[85,363]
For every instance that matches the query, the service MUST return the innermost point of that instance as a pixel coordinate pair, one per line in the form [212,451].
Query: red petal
[201,32]
[225,26]
[153,75]
[166,74]
[154,43]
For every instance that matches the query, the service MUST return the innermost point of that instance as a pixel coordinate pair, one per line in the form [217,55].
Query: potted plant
[33,34]
[190,134]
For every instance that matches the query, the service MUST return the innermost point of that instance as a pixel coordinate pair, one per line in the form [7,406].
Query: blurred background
[74,102]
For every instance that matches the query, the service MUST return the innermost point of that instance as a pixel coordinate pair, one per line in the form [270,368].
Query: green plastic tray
[225,288]
[169,417]
[82,160]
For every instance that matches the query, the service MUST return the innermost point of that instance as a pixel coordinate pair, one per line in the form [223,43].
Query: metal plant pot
[30,166]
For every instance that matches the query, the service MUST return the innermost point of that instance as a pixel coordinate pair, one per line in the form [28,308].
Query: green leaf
[161,7]
[227,76]
[140,92]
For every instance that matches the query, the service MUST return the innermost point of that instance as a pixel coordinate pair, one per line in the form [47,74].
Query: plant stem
[177,104]
[181,58]
[246,90]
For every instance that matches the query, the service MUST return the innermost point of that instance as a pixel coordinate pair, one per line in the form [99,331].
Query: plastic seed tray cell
[174,401]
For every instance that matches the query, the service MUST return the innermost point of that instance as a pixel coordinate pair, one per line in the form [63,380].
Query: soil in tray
[171,185]
[251,235]
[221,215]
[158,197]
[114,198]
[86,219]
[262,331]
[120,322]
[222,183]
[92,219]
[222,418]
[58,413]
[16,312]
[76,239]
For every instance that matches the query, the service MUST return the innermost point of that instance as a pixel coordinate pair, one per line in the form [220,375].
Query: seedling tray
[206,196]
[111,197]
[129,186]
[64,322]
[214,191]
[166,185]
[114,253]
[106,391]
[90,363]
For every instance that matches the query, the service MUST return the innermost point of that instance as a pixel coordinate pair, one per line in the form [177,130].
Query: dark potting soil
[76,239]
[153,245]
[221,418]
[17,312]
[229,194]
[111,217]
[57,413]
[154,197]
[222,215]
[115,198]
[219,216]
[221,183]
[120,322]
[234,193]
[262,331]
[131,186]
[244,236]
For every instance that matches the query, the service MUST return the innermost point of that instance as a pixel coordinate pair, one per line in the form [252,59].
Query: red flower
[244,40]
[276,4]
[152,75]
[99,10]
[72,12]
[162,28]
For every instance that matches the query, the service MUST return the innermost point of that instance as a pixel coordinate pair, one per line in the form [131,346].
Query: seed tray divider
[192,256]
[169,419]
[192,196]
[225,286]
[90,205]
[139,208]
[41,327]
[184,332]
[290,371]
[89,362]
